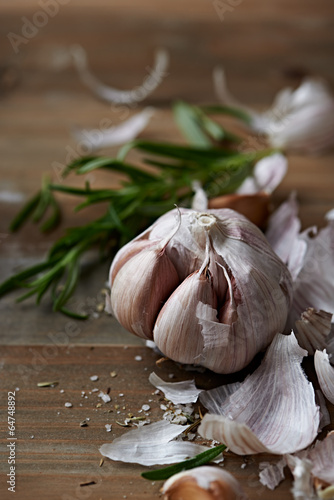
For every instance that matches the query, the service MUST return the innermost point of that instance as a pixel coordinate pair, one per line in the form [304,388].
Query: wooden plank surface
[55,455]
[263,47]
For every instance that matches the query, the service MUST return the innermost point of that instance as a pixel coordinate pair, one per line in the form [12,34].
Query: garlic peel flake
[314,274]
[176,392]
[301,119]
[302,488]
[272,474]
[152,445]
[113,136]
[112,95]
[325,374]
[274,409]
[283,228]
[312,329]
[322,458]
[267,175]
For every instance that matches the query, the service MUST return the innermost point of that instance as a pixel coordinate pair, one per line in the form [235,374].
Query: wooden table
[263,47]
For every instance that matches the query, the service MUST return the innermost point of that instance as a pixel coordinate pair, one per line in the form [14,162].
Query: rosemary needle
[198,460]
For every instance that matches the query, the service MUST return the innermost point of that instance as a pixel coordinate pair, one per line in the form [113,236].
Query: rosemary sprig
[141,198]
[197,461]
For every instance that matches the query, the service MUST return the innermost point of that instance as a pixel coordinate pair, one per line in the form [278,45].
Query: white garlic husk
[298,120]
[207,288]
[203,483]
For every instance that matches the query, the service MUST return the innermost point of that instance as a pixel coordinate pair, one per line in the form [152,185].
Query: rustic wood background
[263,47]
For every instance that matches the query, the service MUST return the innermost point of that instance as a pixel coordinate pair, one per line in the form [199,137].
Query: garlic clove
[325,374]
[126,252]
[313,329]
[203,483]
[259,295]
[267,413]
[178,318]
[140,288]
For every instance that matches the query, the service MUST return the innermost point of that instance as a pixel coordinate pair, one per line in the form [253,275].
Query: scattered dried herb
[47,384]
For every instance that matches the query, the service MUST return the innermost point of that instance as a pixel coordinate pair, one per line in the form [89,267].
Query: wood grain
[62,455]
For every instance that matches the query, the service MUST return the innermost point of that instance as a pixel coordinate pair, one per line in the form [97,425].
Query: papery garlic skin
[301,119]
[203,483]
[225,292]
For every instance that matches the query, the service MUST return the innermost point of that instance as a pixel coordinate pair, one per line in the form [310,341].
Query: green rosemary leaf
[54,218]
[72,190]
[26,295]
[19,280]
[43,289]
[190,123]
[117,221]
[228,110]
[73,314]
[213,129]
[197,461]
[69,286]
[217,132]
[174,167]
[26,211]
[198,128]
[198,155]
[133,172]
[77,163]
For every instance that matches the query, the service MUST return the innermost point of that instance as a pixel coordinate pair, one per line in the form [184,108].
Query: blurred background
[263,47]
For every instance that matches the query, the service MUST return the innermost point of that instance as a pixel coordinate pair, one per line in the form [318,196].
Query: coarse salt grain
[105,397]
[146,407]
[108,427]
[94,378]
[138,358]
[68,405]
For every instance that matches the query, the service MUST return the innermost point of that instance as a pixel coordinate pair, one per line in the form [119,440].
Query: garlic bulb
[203,483]
[207,289]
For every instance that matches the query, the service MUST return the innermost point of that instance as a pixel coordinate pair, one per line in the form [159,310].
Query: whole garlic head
[203,483]
[208,289]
